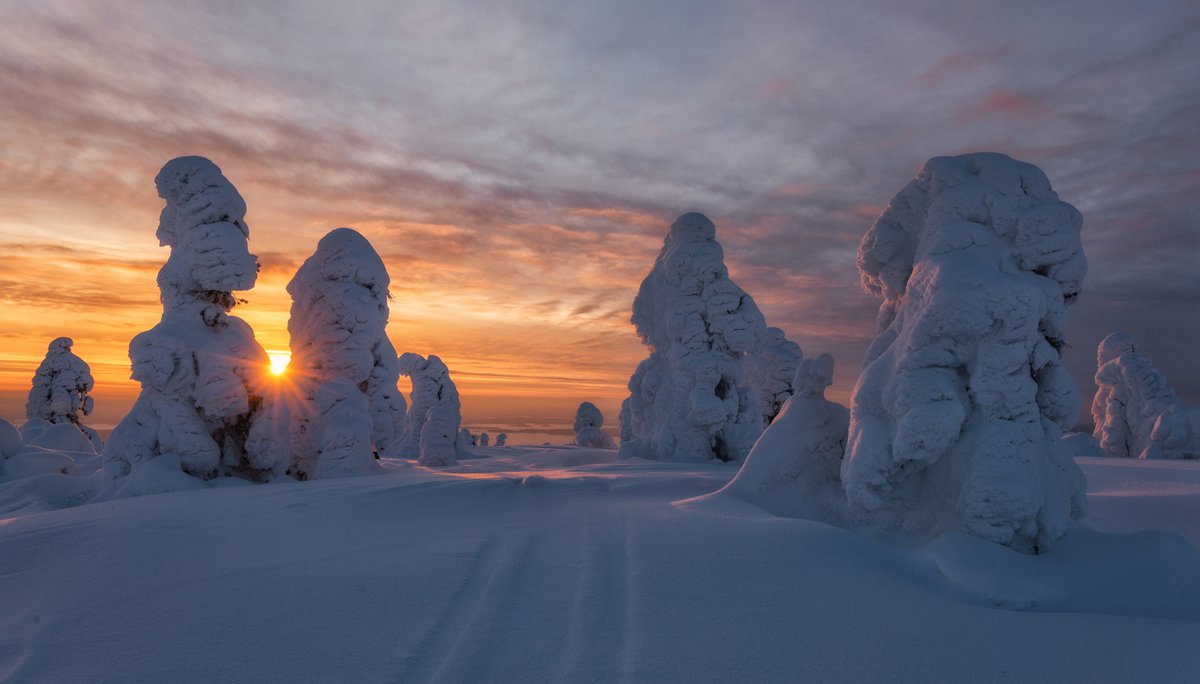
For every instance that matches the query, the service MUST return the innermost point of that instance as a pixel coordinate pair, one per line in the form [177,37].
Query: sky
[517,165]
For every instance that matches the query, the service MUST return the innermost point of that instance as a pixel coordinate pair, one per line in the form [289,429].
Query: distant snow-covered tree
[589,428]
[484,439]
[202,372]
[1136,413]
[957,418]
[60,390]
[694,398]
[342,360]
[439,436]
[431,386]
[501,439]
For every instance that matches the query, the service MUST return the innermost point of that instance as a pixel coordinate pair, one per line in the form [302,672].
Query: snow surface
[697,396]
[1134,410]
[565,564]
[343,364]
[957,417]
[59,392]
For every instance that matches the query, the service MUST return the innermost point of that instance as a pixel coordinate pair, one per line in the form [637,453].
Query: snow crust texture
[589,428]
[344,365]
[431,387]
[1136,413]
[202,373]
[60,390]
[957,417]
[695,398]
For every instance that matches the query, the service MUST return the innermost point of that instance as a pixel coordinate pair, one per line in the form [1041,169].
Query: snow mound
[431,386]
[793,468]
[203,375]
[589,428]
[1135,412]
[60,390]
[10,440]
[64,437]
[344,365]
[694,398]
[957,417]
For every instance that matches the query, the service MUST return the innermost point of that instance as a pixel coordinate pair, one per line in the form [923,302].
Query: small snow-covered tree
[431,386]
[957,417]
[438,436]
[202,372]
[589,428]
[501,439]
[484,439]
[1136,413]
[799,455]
[693,399]
[465,437]
[342,360]
[60,390]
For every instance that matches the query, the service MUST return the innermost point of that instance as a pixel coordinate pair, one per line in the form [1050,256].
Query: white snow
[60,390]
[589,428]
[431,386]
[10,440]
[203,375]
[693,399]
[564,564]
[342,363]
[957,417]
[1135,412]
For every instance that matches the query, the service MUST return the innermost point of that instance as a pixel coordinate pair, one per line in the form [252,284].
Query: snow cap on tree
[957,417]
[1136,413]
[589,424]
[693,399]
[340,348]
[60,390]
[202,372]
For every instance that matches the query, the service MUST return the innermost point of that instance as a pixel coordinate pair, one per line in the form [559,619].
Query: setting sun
[280,359]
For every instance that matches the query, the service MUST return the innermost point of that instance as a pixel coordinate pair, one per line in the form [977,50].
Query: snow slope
[563,564]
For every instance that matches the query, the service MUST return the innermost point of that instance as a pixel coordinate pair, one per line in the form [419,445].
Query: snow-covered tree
[1135,411]
[484,439]
[692,399]
[770,370]
[342,360]
[60,390]
[438,436]
[501,439]
[798,458]
[589,428]
[465,437]
[431,386]
[202,373]
[957,417]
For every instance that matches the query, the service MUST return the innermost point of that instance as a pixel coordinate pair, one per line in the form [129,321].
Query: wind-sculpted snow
[342,361]
[693,399]
[589,428]
[202,373]
[431,386]
[957,417]
[1135,412]
[60,390]
[794,466]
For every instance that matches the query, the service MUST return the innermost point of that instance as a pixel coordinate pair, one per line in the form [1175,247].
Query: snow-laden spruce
[502,439]
[589,428]
[957,417]
[794,466]
[202,373]
[60,390]
[771,370]
[438,443]
[431,386]
[1135,412]
[342,361]
[694,398]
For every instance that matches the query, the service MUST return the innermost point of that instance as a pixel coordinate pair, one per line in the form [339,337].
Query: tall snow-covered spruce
[202,372]
[1135,411]
[60,390]
[431,386]
[342,361]
[956,418]
[696,398]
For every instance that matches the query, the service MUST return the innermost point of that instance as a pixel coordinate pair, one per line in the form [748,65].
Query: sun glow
[279,360]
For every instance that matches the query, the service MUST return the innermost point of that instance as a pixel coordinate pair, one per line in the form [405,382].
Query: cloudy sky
[517,164]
